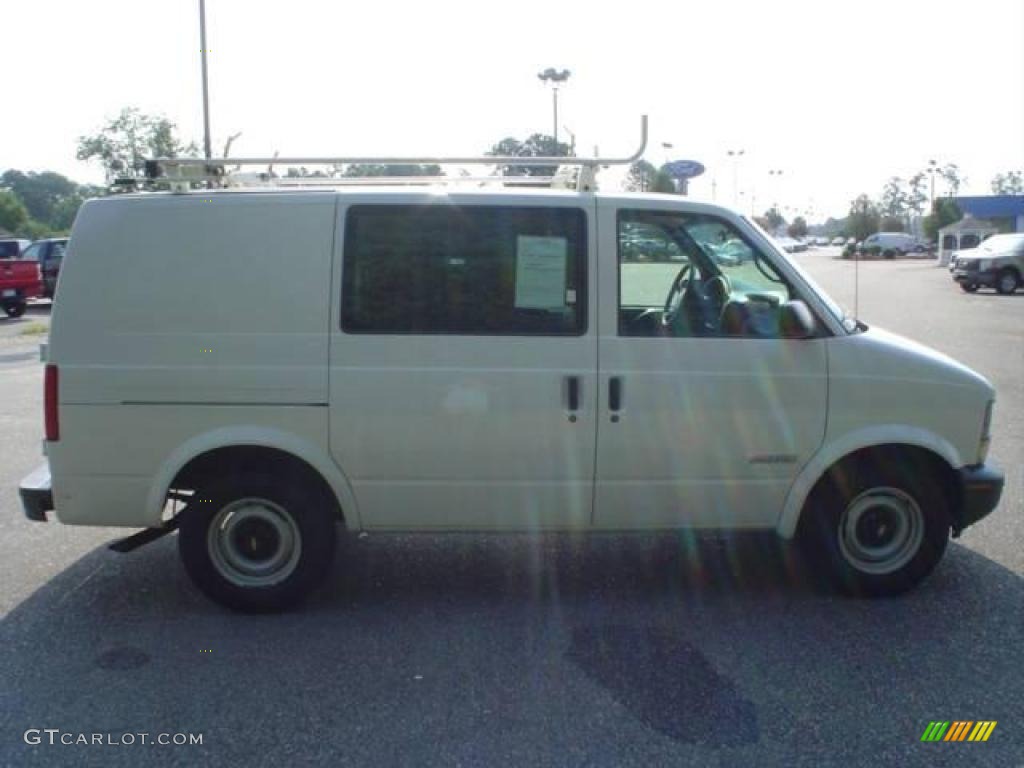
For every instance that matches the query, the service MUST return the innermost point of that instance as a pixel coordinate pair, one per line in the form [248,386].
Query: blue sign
[683,169]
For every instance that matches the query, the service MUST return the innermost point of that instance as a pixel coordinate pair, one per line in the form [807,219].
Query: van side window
[692,274]
[474,270]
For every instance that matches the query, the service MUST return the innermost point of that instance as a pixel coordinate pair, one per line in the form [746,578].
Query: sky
[839,96]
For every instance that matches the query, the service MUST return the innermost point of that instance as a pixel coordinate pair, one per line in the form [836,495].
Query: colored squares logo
[958,730]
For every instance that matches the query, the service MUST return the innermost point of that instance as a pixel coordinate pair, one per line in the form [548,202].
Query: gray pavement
[558,650]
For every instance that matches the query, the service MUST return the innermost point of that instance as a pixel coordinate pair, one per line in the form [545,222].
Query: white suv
[268,364]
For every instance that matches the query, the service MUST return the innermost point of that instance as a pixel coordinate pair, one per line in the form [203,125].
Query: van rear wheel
[877,526]
[255,544]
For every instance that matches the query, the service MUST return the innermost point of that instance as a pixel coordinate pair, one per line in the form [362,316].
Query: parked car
[11,248]
[838,241]
[20,281]
[889,244]
[49,254]
[997,263]
[487,360]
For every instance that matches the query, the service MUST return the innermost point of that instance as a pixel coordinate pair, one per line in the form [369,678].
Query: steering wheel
[673,301]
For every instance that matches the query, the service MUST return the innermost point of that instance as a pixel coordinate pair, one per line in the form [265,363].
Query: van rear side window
[475,270]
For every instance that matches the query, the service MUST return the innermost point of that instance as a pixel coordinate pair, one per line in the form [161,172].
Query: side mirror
[796,321]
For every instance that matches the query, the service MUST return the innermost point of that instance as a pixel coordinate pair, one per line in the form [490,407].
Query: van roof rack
[579,173]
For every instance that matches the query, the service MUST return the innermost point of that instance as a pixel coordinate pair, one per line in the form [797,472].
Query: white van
[891,244]
[253,368]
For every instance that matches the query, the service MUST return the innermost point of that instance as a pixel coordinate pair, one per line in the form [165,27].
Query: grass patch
[34,329]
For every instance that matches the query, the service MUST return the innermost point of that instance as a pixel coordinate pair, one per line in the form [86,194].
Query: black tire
[1007,281]
[299,513]
[15,308]
[968,287]
[862,499]
[888,254]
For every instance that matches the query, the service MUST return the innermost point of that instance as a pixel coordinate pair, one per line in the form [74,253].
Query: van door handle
[615,393]
[574,392]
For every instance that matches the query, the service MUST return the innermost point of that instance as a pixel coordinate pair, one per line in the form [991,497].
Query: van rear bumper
[982,487]
[36,493]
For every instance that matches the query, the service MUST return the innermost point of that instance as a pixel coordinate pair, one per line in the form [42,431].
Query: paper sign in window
[540,272]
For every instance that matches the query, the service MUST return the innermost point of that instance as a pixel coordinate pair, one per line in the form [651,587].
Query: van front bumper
[37,494]
[982,487]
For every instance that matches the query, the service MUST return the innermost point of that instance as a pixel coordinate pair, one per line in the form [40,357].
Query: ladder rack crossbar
[587,162]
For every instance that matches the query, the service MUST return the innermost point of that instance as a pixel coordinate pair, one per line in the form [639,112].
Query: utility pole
[206,93]
[554,77]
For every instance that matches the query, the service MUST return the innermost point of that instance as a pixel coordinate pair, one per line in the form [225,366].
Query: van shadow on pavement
[607,650]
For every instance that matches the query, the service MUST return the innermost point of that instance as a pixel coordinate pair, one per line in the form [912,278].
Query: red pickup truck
[20,280]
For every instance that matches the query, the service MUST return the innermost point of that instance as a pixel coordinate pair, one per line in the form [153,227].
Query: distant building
[1004,212]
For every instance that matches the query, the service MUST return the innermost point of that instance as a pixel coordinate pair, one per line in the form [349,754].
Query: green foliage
[644,177]
[13,215]
[773,220]
[50,200]
[39,192]
[916,194]
[944,212]
[1009,183]
[891,224]
[124,143]
[538,145]
[863,219]
[950,173]
[362,169]
[894,201]
[798,228]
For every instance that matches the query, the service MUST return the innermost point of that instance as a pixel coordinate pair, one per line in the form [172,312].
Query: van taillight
[50,403]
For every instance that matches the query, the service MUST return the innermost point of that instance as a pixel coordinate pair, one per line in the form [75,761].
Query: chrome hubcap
[254,543]
[881,530]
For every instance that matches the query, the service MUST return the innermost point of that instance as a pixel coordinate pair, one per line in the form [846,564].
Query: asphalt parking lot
[478,650]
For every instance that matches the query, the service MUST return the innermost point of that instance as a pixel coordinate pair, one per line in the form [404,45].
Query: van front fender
[835,449]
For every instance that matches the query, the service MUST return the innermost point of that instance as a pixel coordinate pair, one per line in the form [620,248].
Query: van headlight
[986,432]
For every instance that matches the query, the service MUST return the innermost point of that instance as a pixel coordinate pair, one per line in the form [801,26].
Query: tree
[39,192]
[640,177]
[798,228]
[362,169]
[917,195]
[124,144]
[773,220]
[644,177]
[13,216]
[538,145]
[950,173]
[894,198]
[1009,183]
[863,219]
[944,211]
[891,224]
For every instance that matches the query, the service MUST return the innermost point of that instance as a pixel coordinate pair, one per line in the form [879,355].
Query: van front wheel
[877,527]
[254,544]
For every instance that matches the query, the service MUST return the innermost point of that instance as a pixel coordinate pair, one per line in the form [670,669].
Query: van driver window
[689,274]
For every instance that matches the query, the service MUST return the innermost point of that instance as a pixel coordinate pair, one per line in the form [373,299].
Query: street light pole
[206,93]
[777,173]
[735,154]
[554,77]
[931,173]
